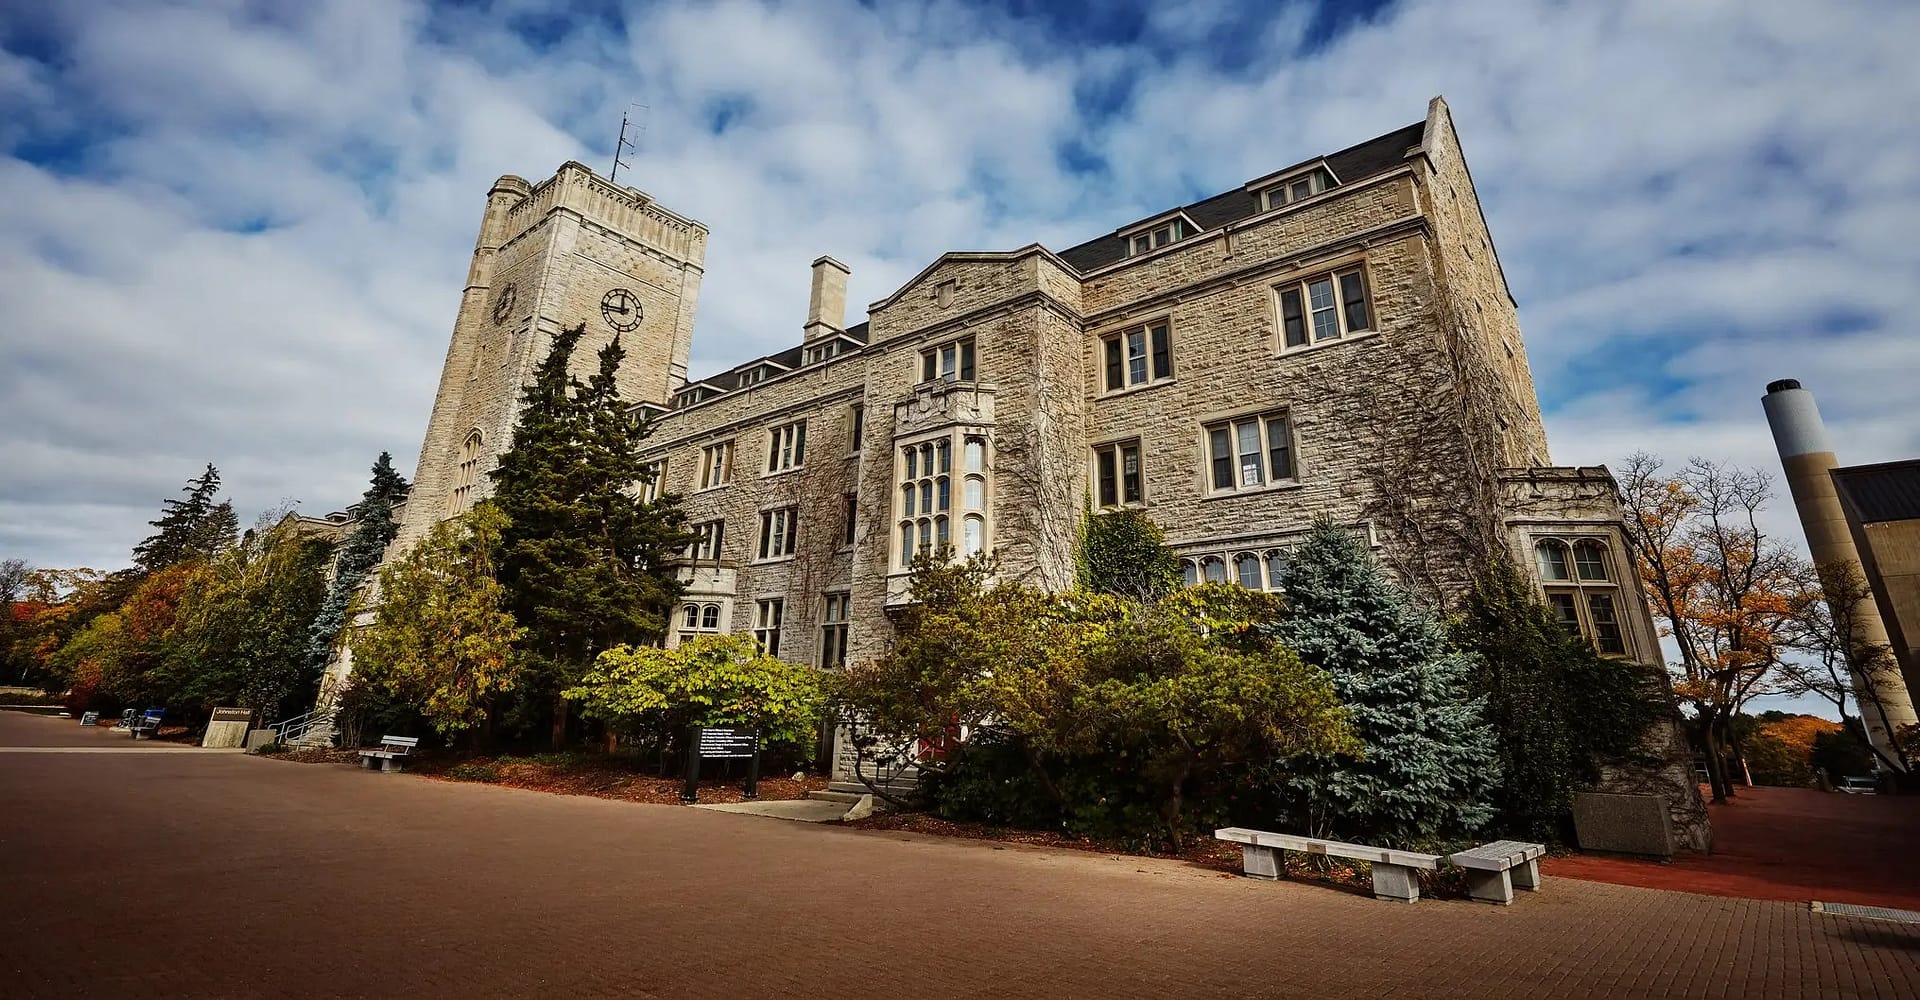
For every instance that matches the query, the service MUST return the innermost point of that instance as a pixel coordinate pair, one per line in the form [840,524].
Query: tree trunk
[559,722]
[1716,759]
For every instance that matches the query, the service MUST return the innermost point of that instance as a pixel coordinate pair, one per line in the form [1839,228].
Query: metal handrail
[284,731]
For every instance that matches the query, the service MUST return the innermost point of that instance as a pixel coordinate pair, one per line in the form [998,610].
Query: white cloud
[255,258]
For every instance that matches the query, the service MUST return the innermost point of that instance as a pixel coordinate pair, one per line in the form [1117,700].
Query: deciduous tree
[1720,587]
[714,680]
[442,638]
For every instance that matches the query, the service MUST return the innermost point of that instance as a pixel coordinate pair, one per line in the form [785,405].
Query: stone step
[845,798]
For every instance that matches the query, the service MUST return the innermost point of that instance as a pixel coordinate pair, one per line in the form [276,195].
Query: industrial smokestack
[1807,456]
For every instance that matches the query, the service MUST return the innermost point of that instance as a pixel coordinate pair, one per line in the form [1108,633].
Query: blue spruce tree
[1429,764]
[359,554]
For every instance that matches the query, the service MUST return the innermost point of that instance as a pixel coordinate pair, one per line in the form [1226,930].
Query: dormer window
[824,352]
[1299,187]
[1171,231]
[689,396]
[753,376]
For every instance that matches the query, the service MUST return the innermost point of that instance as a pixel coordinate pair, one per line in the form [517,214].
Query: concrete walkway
[256,877]
[802,810]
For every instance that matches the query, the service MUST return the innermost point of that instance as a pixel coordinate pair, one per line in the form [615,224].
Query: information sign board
[721,743]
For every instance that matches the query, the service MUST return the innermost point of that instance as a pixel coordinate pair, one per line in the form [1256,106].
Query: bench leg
[1395,882]
[1490,887]
[1260,862]
[396,764]
[1527,876]
[369,763]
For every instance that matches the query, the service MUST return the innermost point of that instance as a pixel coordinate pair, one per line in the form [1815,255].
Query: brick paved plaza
[190,873]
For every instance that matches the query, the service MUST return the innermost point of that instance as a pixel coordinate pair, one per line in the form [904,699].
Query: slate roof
[1375,156]
[1889,491]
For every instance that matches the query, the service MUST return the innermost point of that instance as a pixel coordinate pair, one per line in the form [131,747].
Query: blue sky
[236,232]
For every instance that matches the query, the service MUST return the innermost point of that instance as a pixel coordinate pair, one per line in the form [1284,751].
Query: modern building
[1865,520]
[1332,339]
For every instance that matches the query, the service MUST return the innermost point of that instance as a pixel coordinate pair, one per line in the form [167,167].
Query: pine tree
[194,528]
[587,565]
[1428,763]
[372,531]
[1558,708]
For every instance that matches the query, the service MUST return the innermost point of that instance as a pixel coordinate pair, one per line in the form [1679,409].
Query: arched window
[1551,555]
[1189,573]
[1214,569]
[927,498]
[1580,588]
[973,534]
[1246,569]
[466,474]
[700,617]
[1276,568]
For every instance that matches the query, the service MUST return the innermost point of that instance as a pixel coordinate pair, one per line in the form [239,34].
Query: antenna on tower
[639,128]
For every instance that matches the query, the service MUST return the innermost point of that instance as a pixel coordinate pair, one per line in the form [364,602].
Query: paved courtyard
[209,873]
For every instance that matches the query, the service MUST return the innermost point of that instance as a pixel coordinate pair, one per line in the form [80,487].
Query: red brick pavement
[217,874]
[1792,844]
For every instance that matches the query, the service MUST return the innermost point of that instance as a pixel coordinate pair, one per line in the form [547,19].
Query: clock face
[503,306]
[621,309]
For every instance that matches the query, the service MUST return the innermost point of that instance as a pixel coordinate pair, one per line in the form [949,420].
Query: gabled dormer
[1292,186]
[1159,231]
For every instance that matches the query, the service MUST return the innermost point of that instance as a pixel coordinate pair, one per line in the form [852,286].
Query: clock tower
[575,248]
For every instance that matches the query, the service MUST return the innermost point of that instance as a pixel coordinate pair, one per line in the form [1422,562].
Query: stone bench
[1395,873]
[1494,870]
[392,754]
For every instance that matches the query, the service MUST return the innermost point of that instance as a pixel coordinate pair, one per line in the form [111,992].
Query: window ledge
[789,470]
[771,560]
[1351,338]
[1134,390]
[710,489]
[1254,491]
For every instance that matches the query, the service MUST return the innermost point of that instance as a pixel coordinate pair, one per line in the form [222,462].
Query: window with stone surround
[709,540]
[833,629]
[952,361]
[779,531]
[655,481]
[1165,234]
[1249,453]
[926,498]
[466,474]
[699,616]
[1299,187]
[1252,568]
[857,416]
[1583,590]
[716,464]
[1117,474]
[849,518]
[787,447]
[767,616]
[1136,357]
[1324,308]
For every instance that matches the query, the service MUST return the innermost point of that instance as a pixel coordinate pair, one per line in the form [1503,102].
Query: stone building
[1335,338]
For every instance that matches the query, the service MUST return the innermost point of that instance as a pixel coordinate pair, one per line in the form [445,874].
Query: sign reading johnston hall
[1334,338]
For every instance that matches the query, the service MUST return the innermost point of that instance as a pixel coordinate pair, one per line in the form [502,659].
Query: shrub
[714,680]
[271,748]
[1558,708]
[474,772]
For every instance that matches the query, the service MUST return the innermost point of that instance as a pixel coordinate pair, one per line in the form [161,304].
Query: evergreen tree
[1558,708]
[1428,762]
[194,528]
[587,565]
[372,531]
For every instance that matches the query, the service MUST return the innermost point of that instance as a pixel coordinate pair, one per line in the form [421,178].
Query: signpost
[89,718]
[721,743]
[228,728]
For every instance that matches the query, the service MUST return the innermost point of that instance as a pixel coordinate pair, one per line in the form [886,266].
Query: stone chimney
[827,302]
